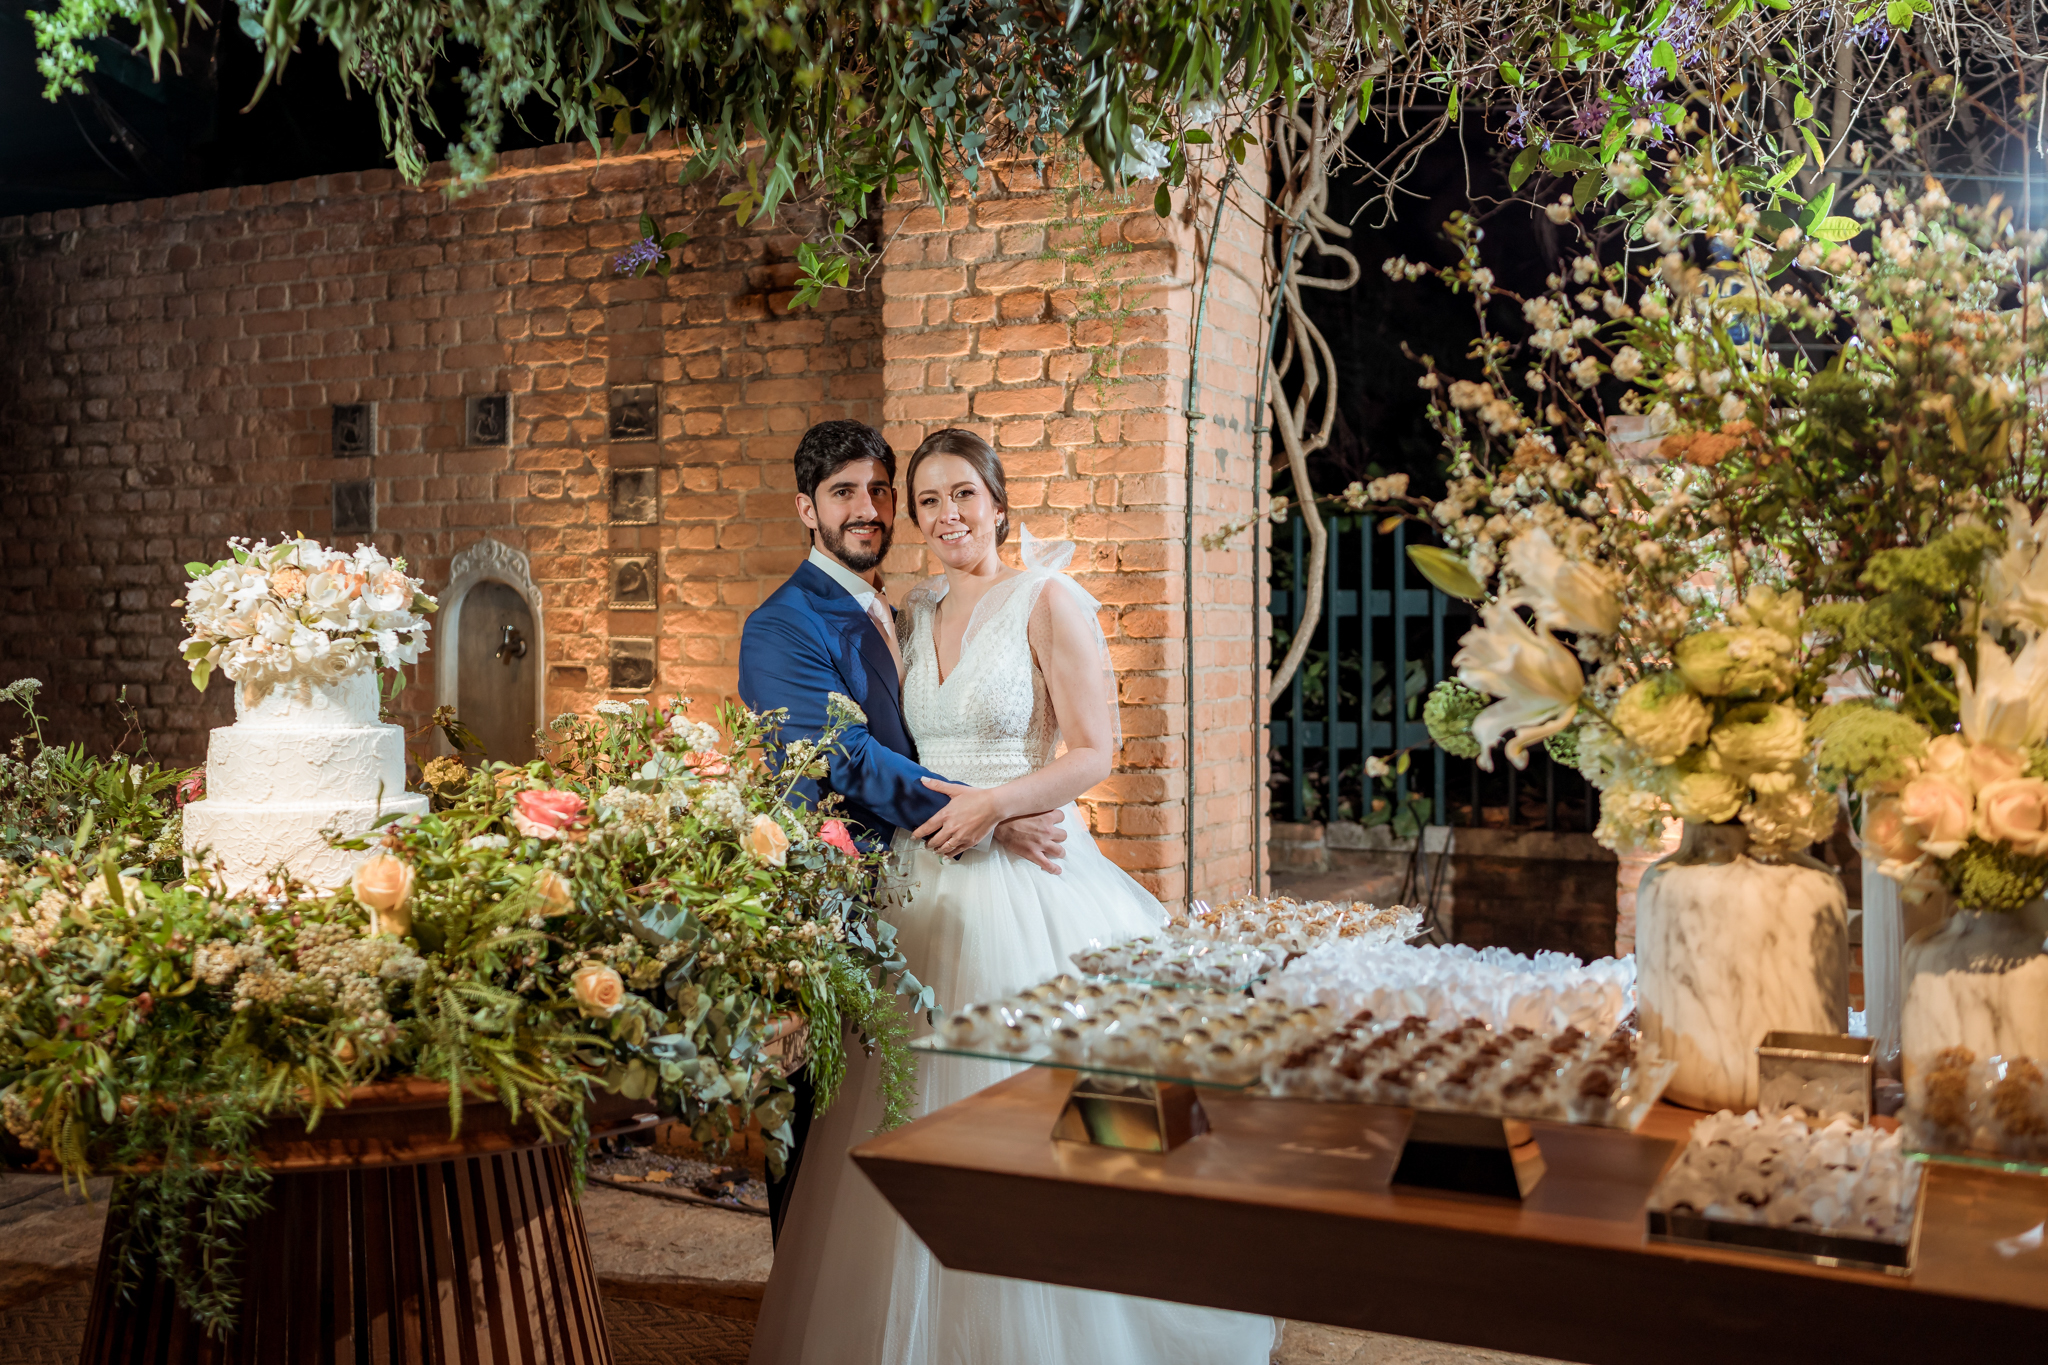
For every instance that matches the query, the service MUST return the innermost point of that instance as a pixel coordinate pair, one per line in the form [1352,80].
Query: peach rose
[2015,812]
[288,582]
[383,884]
[767,841]
[553,889]
[1939,809]
[1947,756]
[834,833]
[1885,827]
[546,813]
[600,992]
[1994,763]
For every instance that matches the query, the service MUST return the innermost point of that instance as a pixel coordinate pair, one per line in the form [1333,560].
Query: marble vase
[1729,947]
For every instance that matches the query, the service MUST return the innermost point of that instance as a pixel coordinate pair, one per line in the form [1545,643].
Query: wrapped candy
[1504,990]
[1778,1171]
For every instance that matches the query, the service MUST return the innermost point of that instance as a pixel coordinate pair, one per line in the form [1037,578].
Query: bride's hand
[964,822]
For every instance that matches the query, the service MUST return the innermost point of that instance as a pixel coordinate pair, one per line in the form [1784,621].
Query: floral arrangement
[641,913]
[1813,566]
[298,609]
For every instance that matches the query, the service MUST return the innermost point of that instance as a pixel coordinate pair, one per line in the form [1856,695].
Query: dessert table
[385,1240]
[1285,1207]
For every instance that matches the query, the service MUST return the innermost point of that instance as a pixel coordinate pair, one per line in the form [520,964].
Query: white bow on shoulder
[1043,554]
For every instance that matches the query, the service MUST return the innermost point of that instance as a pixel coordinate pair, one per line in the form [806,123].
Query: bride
[1007,685]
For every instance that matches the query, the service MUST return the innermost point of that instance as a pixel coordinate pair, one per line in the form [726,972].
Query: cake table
[386,1241]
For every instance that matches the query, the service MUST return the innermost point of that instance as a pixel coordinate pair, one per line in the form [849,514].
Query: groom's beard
[860,561]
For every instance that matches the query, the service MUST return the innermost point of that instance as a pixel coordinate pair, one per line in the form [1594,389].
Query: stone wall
[168,371]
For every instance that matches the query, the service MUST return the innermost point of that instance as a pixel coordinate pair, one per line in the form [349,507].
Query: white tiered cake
[303,757]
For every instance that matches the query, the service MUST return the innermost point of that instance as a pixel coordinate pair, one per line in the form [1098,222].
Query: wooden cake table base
[458,1262]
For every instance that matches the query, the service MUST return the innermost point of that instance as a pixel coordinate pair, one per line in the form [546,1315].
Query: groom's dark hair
[829,447]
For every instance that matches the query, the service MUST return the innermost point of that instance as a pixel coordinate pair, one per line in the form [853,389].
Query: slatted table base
[481,1260]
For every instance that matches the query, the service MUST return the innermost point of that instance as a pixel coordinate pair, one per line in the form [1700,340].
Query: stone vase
[1731,946]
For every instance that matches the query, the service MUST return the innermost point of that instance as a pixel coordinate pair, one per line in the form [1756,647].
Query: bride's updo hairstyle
[979,454]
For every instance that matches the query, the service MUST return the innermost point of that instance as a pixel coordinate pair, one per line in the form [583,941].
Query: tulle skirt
[852,1283]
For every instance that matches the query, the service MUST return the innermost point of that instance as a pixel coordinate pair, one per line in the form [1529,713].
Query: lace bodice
[991,721]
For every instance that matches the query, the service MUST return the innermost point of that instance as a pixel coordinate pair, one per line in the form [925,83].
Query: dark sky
[131,137]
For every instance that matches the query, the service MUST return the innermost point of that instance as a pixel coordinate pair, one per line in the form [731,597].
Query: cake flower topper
[297,609]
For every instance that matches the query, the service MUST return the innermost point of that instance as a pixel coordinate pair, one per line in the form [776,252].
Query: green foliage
[1913,595]
[1449,713]
[1863,743]
[53,800]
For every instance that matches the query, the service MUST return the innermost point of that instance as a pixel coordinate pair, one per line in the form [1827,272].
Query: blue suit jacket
[810,638]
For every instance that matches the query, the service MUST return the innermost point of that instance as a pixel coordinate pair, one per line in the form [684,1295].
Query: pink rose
[834,833]
[192,788]
[546,813]
[706,763]
[2015,812]
[599,991]
[1939,810]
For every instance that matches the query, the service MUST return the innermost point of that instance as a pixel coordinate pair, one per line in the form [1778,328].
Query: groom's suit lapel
[855,626]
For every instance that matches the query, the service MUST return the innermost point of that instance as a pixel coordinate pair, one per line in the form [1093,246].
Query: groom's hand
[1039,838]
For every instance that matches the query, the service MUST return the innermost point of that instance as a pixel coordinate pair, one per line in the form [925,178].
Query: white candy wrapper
[1547,992]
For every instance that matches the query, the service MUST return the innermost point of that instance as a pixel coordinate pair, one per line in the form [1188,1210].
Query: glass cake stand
[1472,1150]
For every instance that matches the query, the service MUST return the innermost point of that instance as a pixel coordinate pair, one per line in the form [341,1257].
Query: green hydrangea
[1864,743]
[1448,716]
[1663,717]
[1563,747]
[1985,876]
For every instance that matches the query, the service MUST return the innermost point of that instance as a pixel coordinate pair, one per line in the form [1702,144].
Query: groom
[830,628]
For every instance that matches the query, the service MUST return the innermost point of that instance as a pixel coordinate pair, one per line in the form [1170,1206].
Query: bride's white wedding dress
[852,1283]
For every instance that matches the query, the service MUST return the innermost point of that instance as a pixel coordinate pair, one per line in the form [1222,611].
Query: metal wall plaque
[355,430]
[490,419]
[636,497]
[632,664]
[633,584]
[355,506]
[636,412]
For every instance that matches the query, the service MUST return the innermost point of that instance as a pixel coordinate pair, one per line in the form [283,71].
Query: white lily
[1534,675]
[2006,703]
[1566,594]
[2016,588]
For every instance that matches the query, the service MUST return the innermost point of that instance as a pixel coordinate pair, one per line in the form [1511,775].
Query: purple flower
[1685,28]
[1876,32]
[641,254]
[1592,118]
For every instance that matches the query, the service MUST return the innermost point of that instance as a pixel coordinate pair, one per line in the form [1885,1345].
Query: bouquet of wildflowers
[1783,583]
[300,610]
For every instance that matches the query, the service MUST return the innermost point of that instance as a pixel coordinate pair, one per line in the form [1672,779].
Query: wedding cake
[304,631]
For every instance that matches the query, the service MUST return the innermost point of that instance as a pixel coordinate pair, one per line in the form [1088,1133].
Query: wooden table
[1284,1208]
[385,1240]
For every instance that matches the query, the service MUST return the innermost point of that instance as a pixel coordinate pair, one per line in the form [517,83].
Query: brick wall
[167,370]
